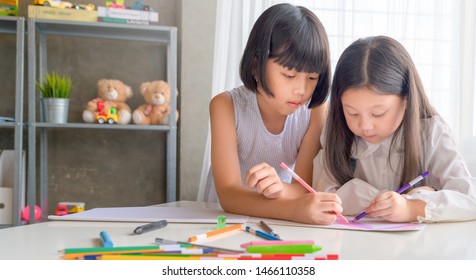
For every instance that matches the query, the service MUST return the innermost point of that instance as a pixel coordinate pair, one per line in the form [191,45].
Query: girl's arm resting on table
[455,198]
[445,206]
[311,208]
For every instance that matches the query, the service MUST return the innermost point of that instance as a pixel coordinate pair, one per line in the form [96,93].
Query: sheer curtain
[234,20]
[438,34]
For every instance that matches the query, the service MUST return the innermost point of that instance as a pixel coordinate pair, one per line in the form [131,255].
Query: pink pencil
[311,190]
[276,242]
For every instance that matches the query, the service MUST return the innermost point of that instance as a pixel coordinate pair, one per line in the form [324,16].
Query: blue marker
[261,234]
[106,239]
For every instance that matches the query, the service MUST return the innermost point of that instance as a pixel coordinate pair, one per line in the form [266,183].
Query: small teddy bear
[111,94]
[156,110]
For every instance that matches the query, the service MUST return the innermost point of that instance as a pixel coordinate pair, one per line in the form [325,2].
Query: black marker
[151,226]
[268,229]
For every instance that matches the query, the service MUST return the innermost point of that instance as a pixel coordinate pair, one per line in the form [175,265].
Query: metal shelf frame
[38,31]
[16,26]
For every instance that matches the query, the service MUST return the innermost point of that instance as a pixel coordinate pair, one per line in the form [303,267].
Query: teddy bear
[111,94]
[156,110]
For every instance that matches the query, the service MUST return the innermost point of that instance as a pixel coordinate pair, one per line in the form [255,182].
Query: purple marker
[400,190]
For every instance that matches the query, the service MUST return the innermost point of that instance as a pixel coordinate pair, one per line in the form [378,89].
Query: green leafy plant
[55,86]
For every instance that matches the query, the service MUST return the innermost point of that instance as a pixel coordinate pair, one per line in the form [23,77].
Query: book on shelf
[8,7]
[41,12]
[127,21]
[128,14]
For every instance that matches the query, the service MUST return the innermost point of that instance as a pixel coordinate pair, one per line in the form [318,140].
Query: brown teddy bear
[156,110]
[111,94]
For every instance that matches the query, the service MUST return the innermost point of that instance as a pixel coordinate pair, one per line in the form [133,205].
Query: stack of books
[8,7]
[127,16]
[42,12]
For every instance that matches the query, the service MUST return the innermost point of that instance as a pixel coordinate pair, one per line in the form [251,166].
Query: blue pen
[106,239]
[400,190]
[261,234]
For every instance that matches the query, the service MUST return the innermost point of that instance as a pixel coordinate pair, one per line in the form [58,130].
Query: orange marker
[204,236]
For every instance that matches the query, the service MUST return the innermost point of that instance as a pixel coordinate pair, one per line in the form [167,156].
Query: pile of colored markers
[257,250]
[271,249]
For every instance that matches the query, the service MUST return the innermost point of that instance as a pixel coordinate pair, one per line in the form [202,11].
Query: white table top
[42,241]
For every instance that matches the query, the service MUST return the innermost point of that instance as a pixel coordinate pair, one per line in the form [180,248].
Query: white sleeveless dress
[256,144]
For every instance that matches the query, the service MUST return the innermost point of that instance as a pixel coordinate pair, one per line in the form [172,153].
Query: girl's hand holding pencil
[325,199]
[393,207]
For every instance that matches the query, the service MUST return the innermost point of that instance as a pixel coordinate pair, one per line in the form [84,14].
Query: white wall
[196,41]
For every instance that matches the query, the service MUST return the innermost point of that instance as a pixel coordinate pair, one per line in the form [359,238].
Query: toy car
[86,7]
[61,210]
[65,208]
[109,117]
[54,3]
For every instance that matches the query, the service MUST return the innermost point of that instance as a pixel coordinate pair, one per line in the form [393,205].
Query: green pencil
[121,249]
[284,249]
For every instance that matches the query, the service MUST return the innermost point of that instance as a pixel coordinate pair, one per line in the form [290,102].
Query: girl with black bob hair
[276,116]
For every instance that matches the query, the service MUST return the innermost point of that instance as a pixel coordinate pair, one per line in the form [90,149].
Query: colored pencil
[261,234]
[284,249]
[165,241]
[220,257]
[106,239]
[400,190]
[126,249]
[309,189]
[215,233]
[268,229]
[276,242]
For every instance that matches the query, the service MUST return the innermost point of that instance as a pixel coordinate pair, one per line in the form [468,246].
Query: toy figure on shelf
[103,117]
[140,6]
[65,208]
[54,3]
[112,94]
[156,109]
[116,4]
[86,7]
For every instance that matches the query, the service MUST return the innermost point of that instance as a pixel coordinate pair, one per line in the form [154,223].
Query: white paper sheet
[152,214]
[209,216]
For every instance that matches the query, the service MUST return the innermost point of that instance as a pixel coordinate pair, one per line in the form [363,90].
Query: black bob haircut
[296,39]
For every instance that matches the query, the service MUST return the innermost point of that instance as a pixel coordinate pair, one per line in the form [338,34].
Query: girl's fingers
[256,173]
[328,197]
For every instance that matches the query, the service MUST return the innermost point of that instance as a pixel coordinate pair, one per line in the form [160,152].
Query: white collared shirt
[454,200]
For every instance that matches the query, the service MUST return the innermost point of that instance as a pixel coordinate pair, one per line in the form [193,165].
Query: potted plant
[55,91]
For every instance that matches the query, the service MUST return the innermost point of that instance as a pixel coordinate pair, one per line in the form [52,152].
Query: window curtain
[440,37]
[438,34]
[234,20]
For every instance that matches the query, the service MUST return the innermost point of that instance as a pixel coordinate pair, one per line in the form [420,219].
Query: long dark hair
[381,64]
[296,39]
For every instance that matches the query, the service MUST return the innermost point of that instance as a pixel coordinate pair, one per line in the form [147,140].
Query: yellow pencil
[149,257]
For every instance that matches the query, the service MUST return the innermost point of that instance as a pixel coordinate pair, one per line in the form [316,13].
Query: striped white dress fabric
[256,144]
